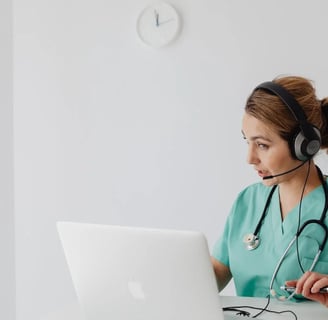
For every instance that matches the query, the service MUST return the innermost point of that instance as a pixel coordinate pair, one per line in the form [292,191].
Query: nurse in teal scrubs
[284,125]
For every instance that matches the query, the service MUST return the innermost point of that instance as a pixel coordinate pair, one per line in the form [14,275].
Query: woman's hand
[310,284]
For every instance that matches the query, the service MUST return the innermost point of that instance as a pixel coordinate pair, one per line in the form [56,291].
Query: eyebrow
[256,137]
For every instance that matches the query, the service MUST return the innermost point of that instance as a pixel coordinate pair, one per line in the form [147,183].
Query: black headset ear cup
[304,149]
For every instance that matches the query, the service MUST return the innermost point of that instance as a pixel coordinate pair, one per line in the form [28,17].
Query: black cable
[265,307]
[246,313]
[299,218]
[236,309]
[241,312]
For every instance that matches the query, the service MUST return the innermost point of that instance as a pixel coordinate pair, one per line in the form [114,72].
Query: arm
[309,285]
[222,273]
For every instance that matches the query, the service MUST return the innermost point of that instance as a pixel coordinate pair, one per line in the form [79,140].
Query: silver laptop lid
[130,273]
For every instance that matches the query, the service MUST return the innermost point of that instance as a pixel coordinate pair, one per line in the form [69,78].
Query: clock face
[158,24]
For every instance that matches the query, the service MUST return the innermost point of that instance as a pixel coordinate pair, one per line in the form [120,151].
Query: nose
[252,157]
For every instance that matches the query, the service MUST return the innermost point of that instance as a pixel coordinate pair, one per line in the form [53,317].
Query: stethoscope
[252,241]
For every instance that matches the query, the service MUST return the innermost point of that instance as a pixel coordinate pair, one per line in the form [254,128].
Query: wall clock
[158,24]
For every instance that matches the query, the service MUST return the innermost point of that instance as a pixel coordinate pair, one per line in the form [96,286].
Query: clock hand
[156,18]
[165,21]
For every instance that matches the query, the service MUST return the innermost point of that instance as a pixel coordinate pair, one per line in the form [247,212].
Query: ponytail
[324,129]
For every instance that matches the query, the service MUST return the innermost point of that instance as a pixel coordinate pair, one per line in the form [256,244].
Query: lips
[261,173]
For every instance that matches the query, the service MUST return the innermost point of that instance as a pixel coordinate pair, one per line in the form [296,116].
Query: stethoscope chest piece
[251,241]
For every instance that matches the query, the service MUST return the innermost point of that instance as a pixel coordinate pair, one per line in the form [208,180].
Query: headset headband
[294,107]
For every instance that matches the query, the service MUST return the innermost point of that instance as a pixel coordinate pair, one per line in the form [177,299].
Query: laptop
[132,273]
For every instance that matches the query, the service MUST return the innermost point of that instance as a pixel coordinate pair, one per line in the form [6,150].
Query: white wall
[108,130]
[7,243]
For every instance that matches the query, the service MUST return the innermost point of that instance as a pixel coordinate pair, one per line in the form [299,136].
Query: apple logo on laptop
[136,290]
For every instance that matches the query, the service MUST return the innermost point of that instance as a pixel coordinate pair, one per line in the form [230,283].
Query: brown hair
[270,109]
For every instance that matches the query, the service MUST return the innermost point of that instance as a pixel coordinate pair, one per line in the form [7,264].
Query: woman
[284,125]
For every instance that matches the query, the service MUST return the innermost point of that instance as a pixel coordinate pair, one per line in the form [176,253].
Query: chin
[269,182]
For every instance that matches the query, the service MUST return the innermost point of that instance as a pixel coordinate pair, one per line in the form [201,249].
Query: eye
[262,146]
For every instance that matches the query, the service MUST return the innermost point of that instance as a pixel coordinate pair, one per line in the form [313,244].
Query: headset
[306,142]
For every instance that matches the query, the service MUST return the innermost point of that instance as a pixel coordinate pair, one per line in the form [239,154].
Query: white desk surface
[306,310]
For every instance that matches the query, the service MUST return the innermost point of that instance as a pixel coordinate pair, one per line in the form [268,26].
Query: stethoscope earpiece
[273,293]
[251,241]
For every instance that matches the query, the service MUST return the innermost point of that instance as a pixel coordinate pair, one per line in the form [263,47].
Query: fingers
[311,282]
[317,285]
[304,284]
[291,283]
[309,285]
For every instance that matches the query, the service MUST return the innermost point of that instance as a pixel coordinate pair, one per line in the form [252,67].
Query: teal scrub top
[252,270]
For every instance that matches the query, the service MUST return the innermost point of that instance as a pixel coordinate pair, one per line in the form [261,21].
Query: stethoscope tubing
[321,221]
[316,258]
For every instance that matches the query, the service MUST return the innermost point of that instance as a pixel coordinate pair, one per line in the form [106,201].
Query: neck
[290,192]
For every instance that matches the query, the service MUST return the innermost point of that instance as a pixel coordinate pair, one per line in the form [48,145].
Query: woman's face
[267,151]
